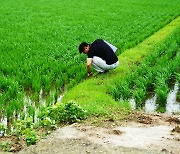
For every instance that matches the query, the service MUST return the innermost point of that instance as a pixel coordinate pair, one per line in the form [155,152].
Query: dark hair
[82,45]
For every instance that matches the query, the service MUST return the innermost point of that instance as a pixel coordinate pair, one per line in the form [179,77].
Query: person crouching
[100,54]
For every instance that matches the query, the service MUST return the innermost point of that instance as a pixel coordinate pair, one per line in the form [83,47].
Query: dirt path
[142,133]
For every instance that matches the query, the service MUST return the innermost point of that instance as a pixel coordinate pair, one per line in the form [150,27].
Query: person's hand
[90,74]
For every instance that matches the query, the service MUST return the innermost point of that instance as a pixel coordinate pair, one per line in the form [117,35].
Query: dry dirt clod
[83,129]
[173,120]
[144,119]
[13,149]
[111,120]
[117,132]
[177,139]
[176,129]
[164,150]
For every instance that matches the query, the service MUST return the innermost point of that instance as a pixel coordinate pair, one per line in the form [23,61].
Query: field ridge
[92,94]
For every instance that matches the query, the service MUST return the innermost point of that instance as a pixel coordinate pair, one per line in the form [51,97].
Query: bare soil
[15,144]
[141,133]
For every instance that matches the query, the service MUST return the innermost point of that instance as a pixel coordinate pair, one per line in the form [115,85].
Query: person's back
[100,49]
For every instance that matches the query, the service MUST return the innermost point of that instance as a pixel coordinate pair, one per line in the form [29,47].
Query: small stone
[13,149]
[117,132]
[164,150]
[176,129]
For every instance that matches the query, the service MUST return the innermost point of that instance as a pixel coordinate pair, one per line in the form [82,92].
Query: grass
[93,94]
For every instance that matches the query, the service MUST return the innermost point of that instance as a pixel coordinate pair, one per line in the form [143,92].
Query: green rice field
[39,58]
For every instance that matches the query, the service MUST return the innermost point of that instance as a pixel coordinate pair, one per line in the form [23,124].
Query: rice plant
[152,75]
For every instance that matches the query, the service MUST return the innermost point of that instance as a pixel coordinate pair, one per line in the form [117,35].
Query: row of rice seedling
[11,99]
[153,75]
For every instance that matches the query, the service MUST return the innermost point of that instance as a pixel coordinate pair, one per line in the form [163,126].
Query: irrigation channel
[150,105]
[36,107]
